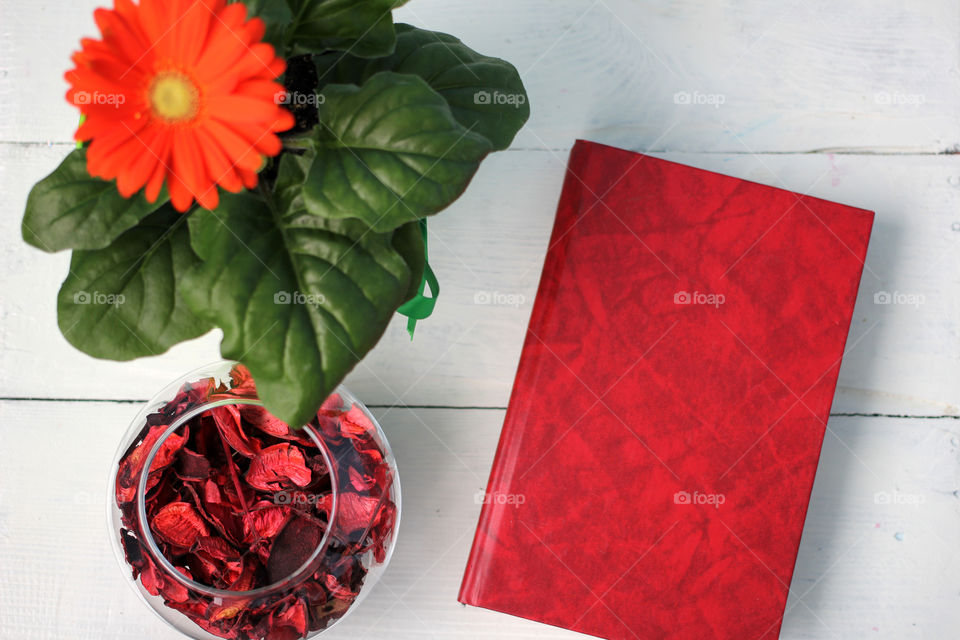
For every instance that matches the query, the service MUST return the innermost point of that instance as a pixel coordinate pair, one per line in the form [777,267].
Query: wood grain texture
[878,557]
[857,102]
[793,76]
[488,251]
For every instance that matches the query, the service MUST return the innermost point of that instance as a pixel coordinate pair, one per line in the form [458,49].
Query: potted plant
[266,167]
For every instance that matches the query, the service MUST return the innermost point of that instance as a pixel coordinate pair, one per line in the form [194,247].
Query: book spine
[525,383]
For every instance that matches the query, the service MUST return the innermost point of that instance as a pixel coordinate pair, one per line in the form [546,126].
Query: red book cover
[663,433]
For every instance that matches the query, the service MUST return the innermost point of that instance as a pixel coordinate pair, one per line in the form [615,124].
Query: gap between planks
[837,151]
[900,416]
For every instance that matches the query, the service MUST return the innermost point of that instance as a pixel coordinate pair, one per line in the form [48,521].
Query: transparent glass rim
[310,564]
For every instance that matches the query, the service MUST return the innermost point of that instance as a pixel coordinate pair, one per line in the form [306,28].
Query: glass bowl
[229,524]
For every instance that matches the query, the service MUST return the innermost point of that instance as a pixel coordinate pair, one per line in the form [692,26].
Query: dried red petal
[227,419]
[330,430]
[359,481]
[282,633]
[370,456]
[318,465]
[242,381]
[333,609]
[230,495]
[218,548]
[226,521]
[128,474]
[295,617]
[167,452]
[382,531]
[355,423]
[264,420]
[211,492]
[294,546]
[355,512]
[276,467]
[266,522]
[338,590]
[210,623]
[205,566]
[245,581]
[189,395]
[191,608]
[172,590]
[192,465]
[332,406]
[179,524]
[150,577]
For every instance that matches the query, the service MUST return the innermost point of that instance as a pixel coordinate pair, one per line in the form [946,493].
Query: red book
[657,457]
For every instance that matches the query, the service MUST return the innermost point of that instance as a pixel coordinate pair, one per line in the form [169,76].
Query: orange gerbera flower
[178,91]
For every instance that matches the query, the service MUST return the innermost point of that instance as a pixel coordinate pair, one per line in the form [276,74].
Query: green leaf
[485,94]
[126,301]
[362,27]
[277,16]
[69,209]
[300,298]
[389,152]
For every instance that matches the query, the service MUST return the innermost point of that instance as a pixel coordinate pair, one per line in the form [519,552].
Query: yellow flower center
[174,97]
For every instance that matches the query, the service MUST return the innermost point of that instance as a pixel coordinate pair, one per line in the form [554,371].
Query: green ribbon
[419,306]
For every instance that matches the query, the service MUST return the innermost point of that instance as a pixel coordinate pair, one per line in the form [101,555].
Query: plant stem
[236,480]
[298,142]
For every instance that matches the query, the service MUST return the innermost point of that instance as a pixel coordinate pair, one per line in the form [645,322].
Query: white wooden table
[855,101]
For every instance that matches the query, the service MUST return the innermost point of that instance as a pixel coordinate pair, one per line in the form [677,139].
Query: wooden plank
[860,75]
[59,578]
[878,556]
[488,250]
